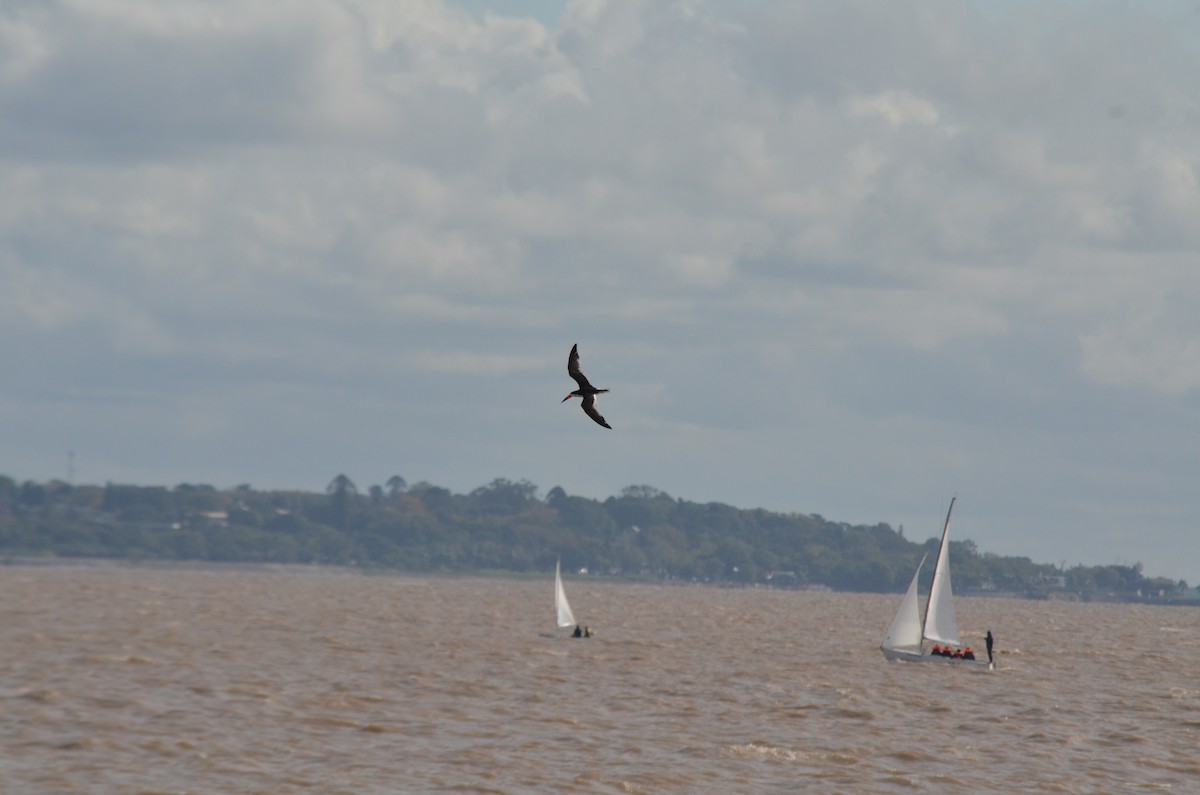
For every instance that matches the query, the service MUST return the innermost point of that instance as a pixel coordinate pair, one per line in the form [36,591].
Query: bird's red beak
[568,397]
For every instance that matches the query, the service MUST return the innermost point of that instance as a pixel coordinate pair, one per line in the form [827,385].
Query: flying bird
[586,390]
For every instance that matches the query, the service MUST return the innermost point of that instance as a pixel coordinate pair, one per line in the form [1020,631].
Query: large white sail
[905,632]
[561,606]
[940,626]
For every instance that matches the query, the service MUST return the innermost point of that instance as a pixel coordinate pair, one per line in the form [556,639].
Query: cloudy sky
[839,258]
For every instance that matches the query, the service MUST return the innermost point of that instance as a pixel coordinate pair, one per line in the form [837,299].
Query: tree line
[507,526]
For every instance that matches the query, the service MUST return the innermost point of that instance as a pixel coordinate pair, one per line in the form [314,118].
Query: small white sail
[905,632]
[940,626]
[561,606]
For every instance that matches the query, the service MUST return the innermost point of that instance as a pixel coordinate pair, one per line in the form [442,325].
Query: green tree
[33,495]
[340,490]
[504,496]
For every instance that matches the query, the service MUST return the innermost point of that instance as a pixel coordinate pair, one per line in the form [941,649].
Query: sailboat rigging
[910,629]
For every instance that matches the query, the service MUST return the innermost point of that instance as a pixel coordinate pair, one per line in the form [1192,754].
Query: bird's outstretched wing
[574,371]
[589,408]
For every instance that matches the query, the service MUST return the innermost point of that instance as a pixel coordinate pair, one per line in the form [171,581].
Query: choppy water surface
[130,680]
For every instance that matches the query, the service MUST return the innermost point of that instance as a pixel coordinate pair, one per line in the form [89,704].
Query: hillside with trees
[507,526]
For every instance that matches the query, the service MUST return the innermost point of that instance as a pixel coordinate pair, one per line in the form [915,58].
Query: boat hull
[912,655]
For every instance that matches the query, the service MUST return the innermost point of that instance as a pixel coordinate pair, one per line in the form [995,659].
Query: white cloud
[469,363]
[701,269]
[48,301]
[1150,338]
[894,107]
[1138,354]
[51,301]
[140,78]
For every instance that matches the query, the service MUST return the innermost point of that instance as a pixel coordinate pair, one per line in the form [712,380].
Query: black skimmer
[586,390]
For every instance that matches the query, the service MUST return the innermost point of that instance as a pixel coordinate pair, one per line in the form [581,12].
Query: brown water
[127,680]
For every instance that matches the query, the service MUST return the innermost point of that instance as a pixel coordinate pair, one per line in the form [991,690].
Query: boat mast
[937,567]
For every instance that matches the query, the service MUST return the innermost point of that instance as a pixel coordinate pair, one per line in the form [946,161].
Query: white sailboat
[562,607]
[909,631]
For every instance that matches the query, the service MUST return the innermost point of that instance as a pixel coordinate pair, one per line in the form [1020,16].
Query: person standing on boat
[578,633]
[989,642]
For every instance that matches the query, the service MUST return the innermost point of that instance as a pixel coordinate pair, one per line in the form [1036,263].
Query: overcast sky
[839,258]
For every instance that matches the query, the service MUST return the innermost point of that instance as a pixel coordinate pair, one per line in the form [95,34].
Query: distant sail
[561,606]
[905,632]
[940,625]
